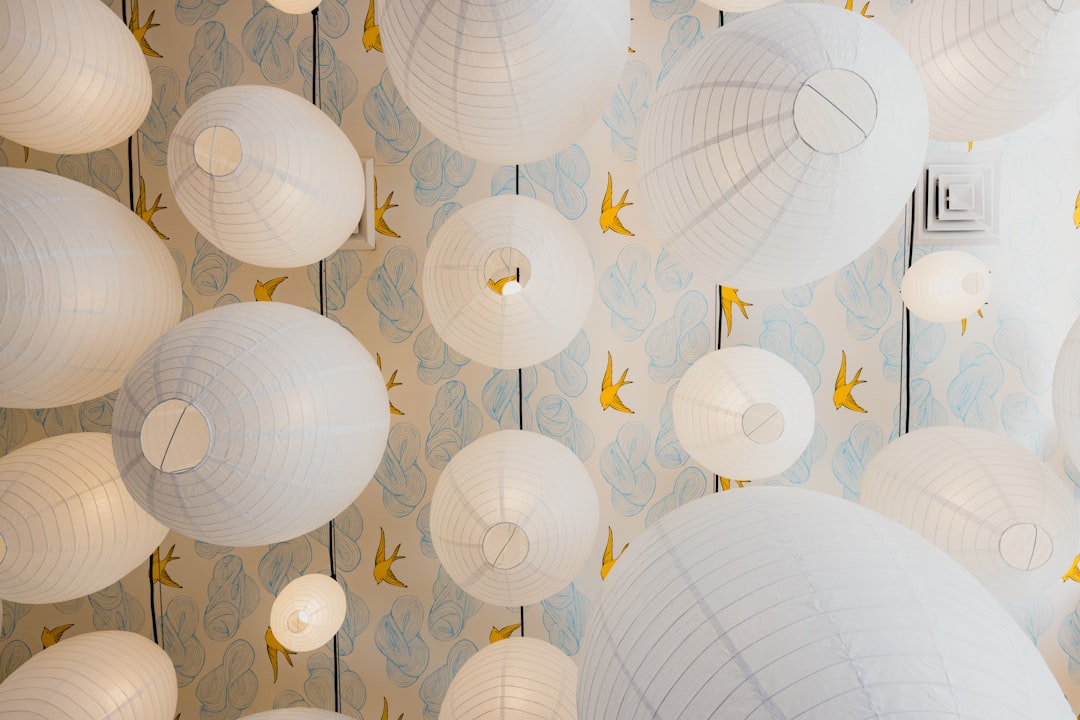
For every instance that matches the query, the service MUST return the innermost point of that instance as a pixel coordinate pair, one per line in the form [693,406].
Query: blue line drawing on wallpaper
[396,128]
[13,612]
[283,562]
[1032,255]
[96,415]
[436,360]
[226,299]
[802,295]
[3,155]
[676,343]
[1035,616]
[14,654]
[860,288]
[435,685]
[564,176]
[397,636]
[565,615]
[438,172]
[439,217]
[970,395]
[851,456]
[390,291]
[348,528]
[690,484]
[455,422]
[1036,173]
[898,266]
[624,289]
[12,429]
[505,181]
[69,607]
[799,472]
[671,275]
[665,9]
[214,62]
[1028,345]
[211,267]
[423,526]
[925,410]
[208,551]
[357,618]
[403,481]
[788,334]
[1024,423]
[1069,640]
[669,451]
[333,18]
[338,86]
[231,687]
[319,688]
[683,34]
[451,608]
[190,12]
[115,608]
[163,114]
[627,109]
[624,465]
[568,367]
[100,170]
[265,39]
[927,343]
[231,595]
[343,270]
[179,623]
[55,421]
[500,396]
[555,418]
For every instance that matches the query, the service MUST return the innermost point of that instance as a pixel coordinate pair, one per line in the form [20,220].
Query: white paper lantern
[107,675]
[308,612]
[85,286]
[992,66]
[743,413]
[518,677]
[508,281]
[946,286]
[782,146]
[506,81]
[514,517]
[297,713]
[295,7]
[786,603]
[251,424]
[73,78]
[1065,392]
[266,176]
[739,5]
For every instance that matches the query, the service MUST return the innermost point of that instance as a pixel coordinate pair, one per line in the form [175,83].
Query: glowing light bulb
[513,287]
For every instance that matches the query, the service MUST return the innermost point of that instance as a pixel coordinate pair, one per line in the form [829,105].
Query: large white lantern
[992,66]
[743,413]
[1065,392]
[946,286]
[73,78]
[518,677]
[508,281]
[782,146]
[251,424]
[107,675]
[506,81]
[513,517]
[85,286]
[266,176]
[308,612]
[786,603]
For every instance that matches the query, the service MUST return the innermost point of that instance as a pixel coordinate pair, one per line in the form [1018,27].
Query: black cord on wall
[905,362]
[521,387]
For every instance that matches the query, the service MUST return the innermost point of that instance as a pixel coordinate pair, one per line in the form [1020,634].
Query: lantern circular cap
[218,150]
[1026,546]
[507,270]
[175,436]
[763,423]
[297,621]
[505,545]
[835,110]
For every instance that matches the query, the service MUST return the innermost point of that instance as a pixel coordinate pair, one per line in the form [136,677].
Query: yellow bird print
[140,31]
[273,647]
[609,214]
[148,215]
[963,321]
[498,285]
[390,384]
[372,39]
[728,296]
[158,573]
[1073,573]
[609,392]
[386,710]
[25,154]
[610,558]
[264,291]
[971,144]
[383,572]
[725,483]
[380,210]
[51,637]
[842,395]
[864,8]
[498,634]
[1076,212]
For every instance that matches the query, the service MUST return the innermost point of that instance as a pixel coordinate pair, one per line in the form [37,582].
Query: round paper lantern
[782,146]
[992,66]
[743,413]
[1065,392]
[787,603]
[308,612]
[295,7]
[946,286]
[85,286]
[107,675]
[266,176]
[68,526]
[516,677]
[505,81]
[739,5]
[250,424]
[508,281]
[514,517]
[73,78]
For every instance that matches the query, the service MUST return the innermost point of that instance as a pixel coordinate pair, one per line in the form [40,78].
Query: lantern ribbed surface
[992,66]
[513,517]
[308,612]
[782,146]
[106,675]
[946,286]
[506,81]
[297,713]
[783,603]
[73,78]
[518,677]
[739,5]
[85,287]
[491,242]
[68,526]
[250,424]
[998,510]
[1065,392]
[743,413]
[295,7]
[266,176]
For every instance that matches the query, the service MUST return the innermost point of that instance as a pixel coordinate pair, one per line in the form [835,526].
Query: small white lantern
[946,286]
[308,612]
[739,5]
[295,7]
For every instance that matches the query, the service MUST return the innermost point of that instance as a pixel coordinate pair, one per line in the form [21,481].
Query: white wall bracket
[363,238]
[957,200]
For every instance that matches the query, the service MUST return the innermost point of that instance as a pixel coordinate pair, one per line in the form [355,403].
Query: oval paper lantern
[308,612]
[514,517]
[107,675]
[1065,392]
[743,413]
[782,146]
[85,286]
[505,81]
[516,677]
[946,286]
[997,509]
[508,281]
[295,7]
[800,605]
[251,424]
[992,66]
[73,78]
[68,526]
[739,5]
[266,176]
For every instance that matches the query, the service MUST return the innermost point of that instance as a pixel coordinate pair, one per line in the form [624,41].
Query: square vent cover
[956,200]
